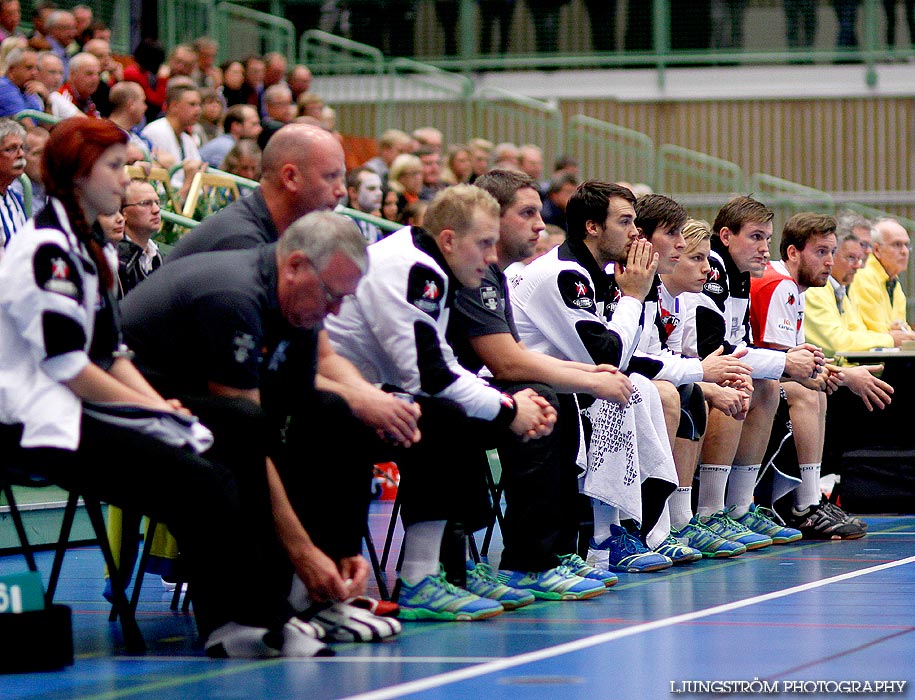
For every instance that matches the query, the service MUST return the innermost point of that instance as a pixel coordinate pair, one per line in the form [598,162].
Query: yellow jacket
[835,331]
[868,291]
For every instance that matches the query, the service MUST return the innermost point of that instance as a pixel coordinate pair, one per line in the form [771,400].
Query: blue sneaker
[678,552]
[723,525]
[553,584]
[766,522]
[698,536]
[623,551]
[580,567]
[433,598]
[482,581]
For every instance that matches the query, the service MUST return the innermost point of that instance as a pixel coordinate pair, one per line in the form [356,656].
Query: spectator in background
[280,111]
[170,137]
[392,143]
[800,23]
[363,190]
[82,15]
[889,7]
[566,164]
[506,156]
[20,88]
[234,89]
[12,165]
[602,16]
[240,122]
[431,161]
[77,91]
[561,188]
[35,140]
[138,254]
[244,160]
[414,213]
[10,16]
[530,162]
[211,110]
[847,17]
[206,73]
[182,61]
[428,136]
[128,109]
[111,73]
[274,69]
[254,80]
[299,80]
[406,177]
[391,205]
[61,27]
[149,73]
[727,23]
[41,10]
[546,23]
[480,157]
[458,168]
[310,104]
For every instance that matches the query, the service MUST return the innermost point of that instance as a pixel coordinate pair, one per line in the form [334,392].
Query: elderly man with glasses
[876,290]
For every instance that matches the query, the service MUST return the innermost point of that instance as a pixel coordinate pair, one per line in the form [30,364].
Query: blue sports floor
[825,613]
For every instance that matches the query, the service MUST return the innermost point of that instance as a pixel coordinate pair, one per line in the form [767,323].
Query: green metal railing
[501,115]
[701,182]
[241,31]
[415,95]
[182,21]
[610,152]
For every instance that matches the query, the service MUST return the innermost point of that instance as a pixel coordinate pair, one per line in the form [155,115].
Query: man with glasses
[876,289]
[238,336]
[12,165]
[138,254]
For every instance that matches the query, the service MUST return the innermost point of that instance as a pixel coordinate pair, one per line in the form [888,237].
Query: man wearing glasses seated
[138,254]
[876,289]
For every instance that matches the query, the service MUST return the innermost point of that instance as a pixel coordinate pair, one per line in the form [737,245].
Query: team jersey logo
[244,346]
[489,296]
[714,274]
[790,298]
[425,288]
[575,290]
[55,272]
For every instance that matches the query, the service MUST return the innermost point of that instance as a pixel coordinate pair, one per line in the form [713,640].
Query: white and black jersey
[53,323]
[394,328]
[720,316]
[565,290]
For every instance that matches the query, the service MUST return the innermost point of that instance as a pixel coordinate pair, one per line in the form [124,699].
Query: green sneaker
[723,525]
[580,567]
[696,535]
[482,581]
[766,522]
[553,584]
[433,598]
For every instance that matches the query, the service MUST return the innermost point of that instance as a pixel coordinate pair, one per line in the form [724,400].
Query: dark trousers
[212,511]
[541,489]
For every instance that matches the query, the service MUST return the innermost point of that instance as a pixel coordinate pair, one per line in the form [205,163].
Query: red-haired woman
[64,374]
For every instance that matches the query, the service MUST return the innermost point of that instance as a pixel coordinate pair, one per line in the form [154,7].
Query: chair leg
[389,538]
[141,567]
[376,565]
[133,639]
[62,541]
[20,527]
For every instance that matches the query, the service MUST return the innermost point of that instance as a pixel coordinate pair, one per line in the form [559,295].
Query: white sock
[741,484]
[713,481]
[604,517]
[808,493]
[421,547]
[681,506]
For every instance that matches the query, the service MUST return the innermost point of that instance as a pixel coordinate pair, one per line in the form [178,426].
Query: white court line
[397,691]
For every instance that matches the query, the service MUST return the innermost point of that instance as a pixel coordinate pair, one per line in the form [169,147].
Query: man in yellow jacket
[876,290]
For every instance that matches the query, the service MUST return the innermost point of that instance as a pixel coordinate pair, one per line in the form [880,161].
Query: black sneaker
[826,522]
[842,514]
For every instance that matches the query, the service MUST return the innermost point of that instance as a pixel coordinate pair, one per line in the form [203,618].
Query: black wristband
[508,409]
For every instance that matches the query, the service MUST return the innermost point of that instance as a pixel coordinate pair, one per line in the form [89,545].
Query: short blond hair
[455,207]
[694,232]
